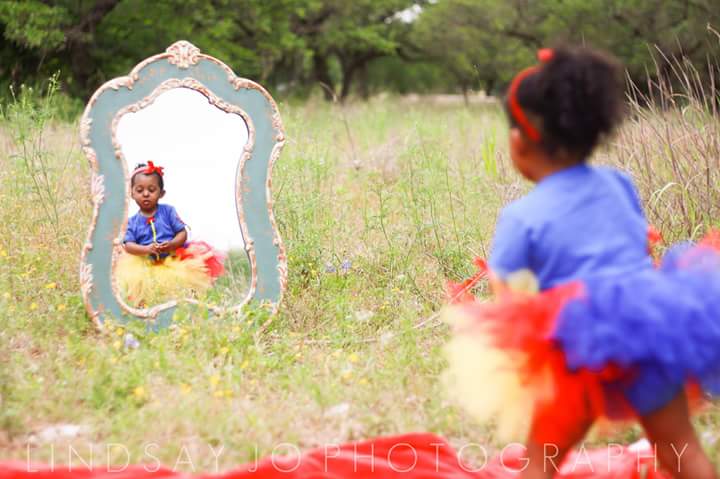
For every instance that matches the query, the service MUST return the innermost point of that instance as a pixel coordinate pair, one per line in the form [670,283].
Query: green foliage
[343,47]
[33,24]
[29,116]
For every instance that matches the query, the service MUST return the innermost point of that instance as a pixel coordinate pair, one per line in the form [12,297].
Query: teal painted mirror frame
[181,66]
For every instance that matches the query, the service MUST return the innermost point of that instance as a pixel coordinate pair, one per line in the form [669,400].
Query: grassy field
[378,204]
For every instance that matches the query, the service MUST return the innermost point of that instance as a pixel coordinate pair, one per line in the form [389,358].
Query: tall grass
[671,145]
[378,203]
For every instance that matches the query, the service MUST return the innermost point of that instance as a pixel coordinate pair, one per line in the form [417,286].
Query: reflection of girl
[608,335]
[157,264]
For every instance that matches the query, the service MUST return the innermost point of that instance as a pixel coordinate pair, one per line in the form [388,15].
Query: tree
[351,35]
[48,35]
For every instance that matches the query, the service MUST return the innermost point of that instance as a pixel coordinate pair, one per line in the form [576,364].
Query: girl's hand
[153,248]
[165,247]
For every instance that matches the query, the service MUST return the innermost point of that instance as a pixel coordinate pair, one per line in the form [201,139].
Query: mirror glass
[199,146]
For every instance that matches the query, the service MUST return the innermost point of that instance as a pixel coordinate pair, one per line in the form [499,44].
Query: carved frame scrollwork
[181,66]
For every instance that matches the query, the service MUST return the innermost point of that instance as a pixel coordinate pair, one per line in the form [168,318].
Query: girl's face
[146,192]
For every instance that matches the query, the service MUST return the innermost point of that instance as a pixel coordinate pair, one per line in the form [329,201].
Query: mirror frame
[181,66]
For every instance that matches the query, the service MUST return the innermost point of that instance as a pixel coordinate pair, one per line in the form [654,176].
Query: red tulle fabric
[462,292]
[524,322]
[213,259]
[409,456]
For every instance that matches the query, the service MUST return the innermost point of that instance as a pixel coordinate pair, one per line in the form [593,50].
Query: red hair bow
[544,55]
[151,168]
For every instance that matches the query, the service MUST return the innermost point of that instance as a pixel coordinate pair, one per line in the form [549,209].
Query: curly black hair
[575,99]
[136,172]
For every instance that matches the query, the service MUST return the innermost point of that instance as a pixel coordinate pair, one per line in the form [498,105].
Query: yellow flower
[3,253]
[6,295]
[185,388]
[139,392]
[235,329]
[157,364]
[214,380]
[33,306]
[353,358]
[224,350]
[113,360]
[218,394]
[52,285]
[228,393]
[245,364]
[119,331]
[347,375]
[363,382]
[61,307]
[117,344]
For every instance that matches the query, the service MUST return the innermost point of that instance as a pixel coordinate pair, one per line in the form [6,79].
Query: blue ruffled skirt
[662,325]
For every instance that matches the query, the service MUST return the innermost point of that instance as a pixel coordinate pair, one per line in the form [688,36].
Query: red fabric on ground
[410,456]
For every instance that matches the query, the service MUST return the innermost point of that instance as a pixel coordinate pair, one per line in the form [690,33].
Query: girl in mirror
[159,263]
[584,327]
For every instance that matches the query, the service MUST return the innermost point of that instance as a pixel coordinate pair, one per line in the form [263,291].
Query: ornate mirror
[181,126]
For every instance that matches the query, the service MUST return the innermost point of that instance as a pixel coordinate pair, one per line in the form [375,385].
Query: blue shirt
[580,222]
[167,225]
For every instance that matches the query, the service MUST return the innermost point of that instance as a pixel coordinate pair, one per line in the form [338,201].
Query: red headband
[149,169]
[544,55]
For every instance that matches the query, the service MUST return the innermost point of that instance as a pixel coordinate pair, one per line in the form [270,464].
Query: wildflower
[363,382]
[117,344]
[185,388]
[346,266]
[347,375]
[52,285]
[214,380]
[330,268]
[61,307]
[131,342]
[245,364]
[33,306]
[6,295]
[139,392]
[224,350]
[353,358]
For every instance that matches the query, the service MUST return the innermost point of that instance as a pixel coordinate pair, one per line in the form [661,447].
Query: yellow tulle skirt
[145,283]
